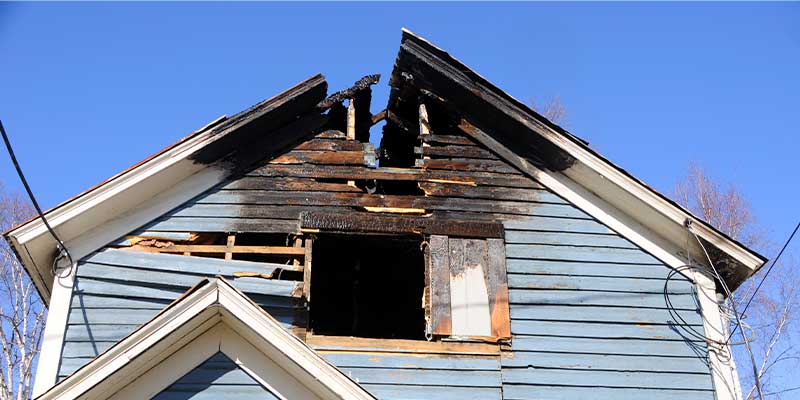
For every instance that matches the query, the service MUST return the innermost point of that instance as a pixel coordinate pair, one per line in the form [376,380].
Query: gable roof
[536,146]
[211,317]
[565,163]
[167,179]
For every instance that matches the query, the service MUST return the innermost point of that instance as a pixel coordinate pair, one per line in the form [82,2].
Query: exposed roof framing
[537,146]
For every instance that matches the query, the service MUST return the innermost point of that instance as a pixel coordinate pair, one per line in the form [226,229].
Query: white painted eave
[106,202]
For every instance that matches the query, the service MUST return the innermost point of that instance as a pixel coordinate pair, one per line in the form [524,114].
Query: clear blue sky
[89,89]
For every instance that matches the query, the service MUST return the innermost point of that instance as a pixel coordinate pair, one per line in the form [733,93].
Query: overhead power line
[763,278]
[62,248]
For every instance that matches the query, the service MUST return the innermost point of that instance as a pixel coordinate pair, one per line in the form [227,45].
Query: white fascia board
[181,323]
[633,197]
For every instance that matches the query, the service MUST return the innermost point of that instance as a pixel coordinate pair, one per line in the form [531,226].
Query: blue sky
[91,88]
[88,89]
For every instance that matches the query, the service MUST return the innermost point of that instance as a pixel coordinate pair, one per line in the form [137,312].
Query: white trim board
[54,330]
[213,316]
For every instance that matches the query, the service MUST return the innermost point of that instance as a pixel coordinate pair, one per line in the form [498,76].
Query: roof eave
[569,155]
[169,178]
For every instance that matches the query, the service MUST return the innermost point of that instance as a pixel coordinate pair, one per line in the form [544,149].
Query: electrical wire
[62,248]
[735,312]
[763,278]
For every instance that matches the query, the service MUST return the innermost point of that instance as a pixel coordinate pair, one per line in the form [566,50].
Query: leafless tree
[22,314]
[771,317]
[552,109]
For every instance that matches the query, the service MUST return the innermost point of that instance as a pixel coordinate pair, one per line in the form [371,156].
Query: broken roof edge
[588,159]
[208,303]
[152,177]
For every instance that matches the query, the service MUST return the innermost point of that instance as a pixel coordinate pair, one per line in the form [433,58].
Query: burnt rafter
[359,86]
[434,74]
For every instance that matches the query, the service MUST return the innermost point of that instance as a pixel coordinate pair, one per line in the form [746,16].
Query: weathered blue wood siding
[216,378]
[395,375]
[116,291]
[590,316]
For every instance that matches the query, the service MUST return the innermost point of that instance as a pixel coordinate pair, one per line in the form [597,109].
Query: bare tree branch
[772,313]
[22,314]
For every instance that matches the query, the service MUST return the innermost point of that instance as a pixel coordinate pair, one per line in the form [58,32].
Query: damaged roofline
[153,186]
[433,68]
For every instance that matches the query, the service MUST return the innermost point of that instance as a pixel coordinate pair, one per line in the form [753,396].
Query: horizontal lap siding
[593,316]
[589,310]
[216,378]
[421,376]
[116,291]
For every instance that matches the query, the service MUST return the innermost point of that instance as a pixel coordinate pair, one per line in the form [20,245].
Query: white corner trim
[54,330]
[720,358]
[181,323]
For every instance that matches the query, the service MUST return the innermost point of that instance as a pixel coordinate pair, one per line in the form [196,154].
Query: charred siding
[589,311]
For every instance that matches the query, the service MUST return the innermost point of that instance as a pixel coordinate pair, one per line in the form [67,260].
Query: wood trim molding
[54,330]
[349,343]
[720,357]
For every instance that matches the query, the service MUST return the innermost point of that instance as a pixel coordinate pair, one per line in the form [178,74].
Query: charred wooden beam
[329,145]
[250,153]
[222,249]
[321,157]
[383,224]
[395,174]
[514,124]
[238,135]
[468,165]
[360,85]
[448,139]
[455,152]
[379,117]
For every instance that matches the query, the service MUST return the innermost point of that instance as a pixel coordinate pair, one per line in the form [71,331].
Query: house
[482,252]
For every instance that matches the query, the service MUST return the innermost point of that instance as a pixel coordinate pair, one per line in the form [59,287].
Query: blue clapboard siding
[590,318]
[116,291]
[421,376]
[589,310]
[216,378]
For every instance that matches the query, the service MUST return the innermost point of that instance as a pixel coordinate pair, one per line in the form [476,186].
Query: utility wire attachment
[62,249]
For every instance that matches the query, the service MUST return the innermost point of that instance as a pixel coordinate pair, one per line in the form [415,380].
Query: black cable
[763,278]
[61,246]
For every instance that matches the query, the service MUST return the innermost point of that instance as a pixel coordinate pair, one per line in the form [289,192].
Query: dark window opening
[368,287]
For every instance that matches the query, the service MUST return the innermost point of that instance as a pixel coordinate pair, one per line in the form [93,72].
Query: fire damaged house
[480,252]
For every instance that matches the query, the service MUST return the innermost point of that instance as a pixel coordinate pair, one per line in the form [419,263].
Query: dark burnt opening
[368,286]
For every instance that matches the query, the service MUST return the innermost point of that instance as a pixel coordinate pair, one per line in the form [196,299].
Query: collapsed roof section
[561,161]
[460,98]
[167,179]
